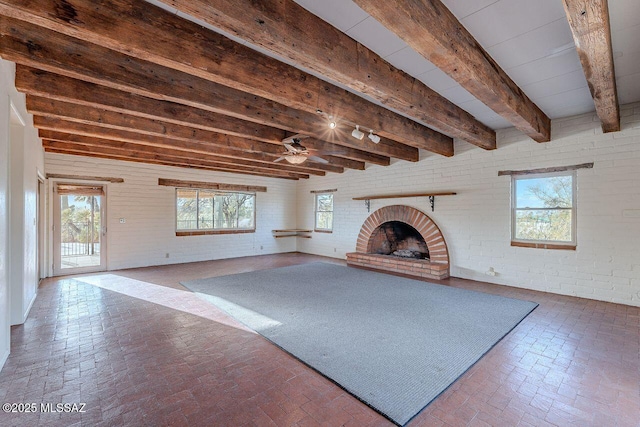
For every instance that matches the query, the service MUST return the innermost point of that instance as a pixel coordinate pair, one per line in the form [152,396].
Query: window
[199,209]
[324,212]
[544,209]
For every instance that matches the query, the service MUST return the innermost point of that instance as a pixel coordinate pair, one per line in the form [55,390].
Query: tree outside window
[543,208]
[324,212]
[200,209]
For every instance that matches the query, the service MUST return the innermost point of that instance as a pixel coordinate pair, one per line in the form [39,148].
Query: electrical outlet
[261,247]
[166,255]
[335,249]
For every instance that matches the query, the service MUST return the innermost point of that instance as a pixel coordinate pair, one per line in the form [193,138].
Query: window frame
[315,213]
[206,231]
[537,243]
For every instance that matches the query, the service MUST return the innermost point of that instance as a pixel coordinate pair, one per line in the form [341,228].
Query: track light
[357,133]
[332,125]
[373,137]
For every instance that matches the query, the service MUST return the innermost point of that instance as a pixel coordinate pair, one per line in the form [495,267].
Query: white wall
[21,159]
[148,233]
[5,322]
[26,162]
[476,222]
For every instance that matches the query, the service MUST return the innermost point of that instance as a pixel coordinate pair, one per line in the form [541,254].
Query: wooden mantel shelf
[292,232]
[399,196]
[431,196]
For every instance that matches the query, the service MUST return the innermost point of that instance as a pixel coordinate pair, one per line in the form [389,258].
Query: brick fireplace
[419,247]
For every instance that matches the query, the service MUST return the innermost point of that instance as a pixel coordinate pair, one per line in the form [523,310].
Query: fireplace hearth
[401,240]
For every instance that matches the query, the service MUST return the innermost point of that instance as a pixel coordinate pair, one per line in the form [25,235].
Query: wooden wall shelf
[431,196]
[292,232]
[400,196]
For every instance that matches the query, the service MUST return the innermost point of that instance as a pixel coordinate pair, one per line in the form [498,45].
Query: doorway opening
[80,234]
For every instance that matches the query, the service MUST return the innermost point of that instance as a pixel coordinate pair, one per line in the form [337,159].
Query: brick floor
[139,349]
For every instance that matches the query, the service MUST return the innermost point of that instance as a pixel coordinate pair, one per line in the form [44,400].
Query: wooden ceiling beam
[89,135]
[100,145]
[290,31]
[31,45]
[234,149]
[589,22]
[48,84]
[347,152]
[75,113]
[59,88]
[341,161]
[164,162]
[140,30]
[435,33]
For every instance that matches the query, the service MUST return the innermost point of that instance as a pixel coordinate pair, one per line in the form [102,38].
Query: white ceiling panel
[485,114]
[463,8]
[545,68]
[529,39]
[624,14]
[376,37]
[340,13]
[556,106]
[627,64]
[437,80]
[410,61]
[457,95]
[629,88]
[546,40]
[555,85]
[626,50]
[506,19]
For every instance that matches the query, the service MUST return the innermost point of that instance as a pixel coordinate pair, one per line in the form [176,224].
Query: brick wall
[148,233]
[476,222]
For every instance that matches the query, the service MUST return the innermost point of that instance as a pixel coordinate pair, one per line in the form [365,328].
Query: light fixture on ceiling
[357,133]
[332,125]
[373,137]
[296,159]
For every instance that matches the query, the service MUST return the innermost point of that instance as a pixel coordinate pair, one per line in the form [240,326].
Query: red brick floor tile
[141,350]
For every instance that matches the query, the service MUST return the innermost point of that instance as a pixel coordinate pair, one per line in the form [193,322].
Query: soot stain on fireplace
[397,238]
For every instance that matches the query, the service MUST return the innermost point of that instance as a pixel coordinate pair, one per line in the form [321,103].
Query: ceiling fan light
[357,133]
[332,125]
[373,137]
[296,159]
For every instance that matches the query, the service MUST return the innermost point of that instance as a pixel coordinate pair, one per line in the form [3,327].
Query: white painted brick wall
[149,210]
[476,222]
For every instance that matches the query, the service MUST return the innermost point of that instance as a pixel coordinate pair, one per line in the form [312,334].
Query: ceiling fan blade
[279,159]
[291,138]
[318,159]
[289,147]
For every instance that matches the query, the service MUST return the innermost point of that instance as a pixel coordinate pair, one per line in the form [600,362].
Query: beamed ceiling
[219,84]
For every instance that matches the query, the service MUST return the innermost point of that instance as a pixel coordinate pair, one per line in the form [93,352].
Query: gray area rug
[394,343]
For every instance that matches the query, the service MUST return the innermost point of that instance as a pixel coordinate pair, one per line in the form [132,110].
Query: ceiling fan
[297,153]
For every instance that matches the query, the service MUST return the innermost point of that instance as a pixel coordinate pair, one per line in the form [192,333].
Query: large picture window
[200,209]
[544,208]
[324,212]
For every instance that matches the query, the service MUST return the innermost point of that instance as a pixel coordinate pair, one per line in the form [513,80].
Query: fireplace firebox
[401,240]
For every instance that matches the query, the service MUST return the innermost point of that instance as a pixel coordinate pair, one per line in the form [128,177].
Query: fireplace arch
[429,231]
[368,255]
